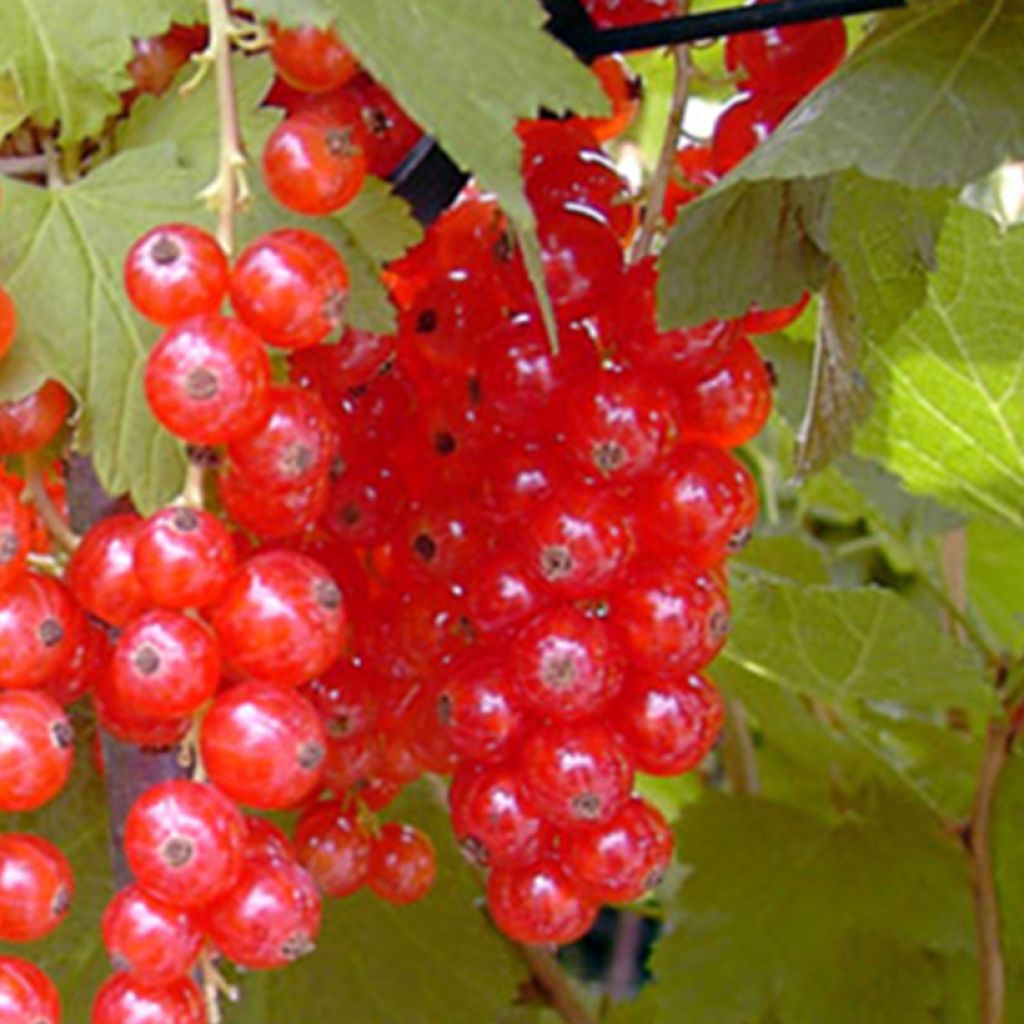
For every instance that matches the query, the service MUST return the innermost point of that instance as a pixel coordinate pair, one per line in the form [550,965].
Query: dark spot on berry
[185,520]
[609,456]
[311,755]
[475,851]
[505,247]
[297,946]
[327,594]
[556,562]
[426,322]
[203,456]
[339,727]
[425,547]
[62,734]
[445,443]
[177,851]
[165,250]
[444,709]
[476,390]
[8,547]
[376,121]
[51,632]
[773,376]
[146,660]
[339,141]
[296,459]
[654,879]
[740,539]
[558,672]
[61,901]
[350,514]
[201,384]
[586,806]
[719,625]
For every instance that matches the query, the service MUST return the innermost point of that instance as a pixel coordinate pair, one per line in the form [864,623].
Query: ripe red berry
[272,515]
[314,166]
[207,380]
[263,745]
[291,287]
[334,848]
[183,557]
[744,125]
[27,996]
[332,369]
[8,322]
[504,592]
[403,864]
[123,999]
[15,536]
[155,942]
[576,774]
[101,572]
[184,842]
[265,839]
[30,422]
[165,665]
[36,888]
[158,58]
[36,749]
[538,904]
[620,13]
[768,321]
[479,710]
[176,271]
[311,59]
[668,725]
[367,503]
[280,619]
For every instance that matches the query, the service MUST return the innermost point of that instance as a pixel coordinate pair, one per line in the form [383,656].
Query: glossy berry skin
[504,592]
[174,272]
[263,745]
[703,503]
[620,13]
[576,774]
[479,709]
[538,904]
[334,848]
[293,449]
[744,125]
[123,999]
[670,617]
[281,618]
[101,572]
[27,996]
[403,864]
[8,322]
[367,503]
[158,58]
[272,515]
[578,541]
[313,165]
[265,839]
[311,59]
[333,369]
[152,940]
[36,749]
[41,627]
[36,887]
[138,730]
[492,817]
[15,536]
[291,287]
[564,664]
[269,918]
[30,422]
[165,665]
[184,842]
[207,380]
[183,557]
[668,724]
[731,406]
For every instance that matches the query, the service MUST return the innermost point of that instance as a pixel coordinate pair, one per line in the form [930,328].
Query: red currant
[36,888]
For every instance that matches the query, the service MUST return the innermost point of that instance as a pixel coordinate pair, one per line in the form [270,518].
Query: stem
[667,156]
[738,755]
[228,191]
[24,166]
[953,556]
[554,985]
[56,524]
[622,974]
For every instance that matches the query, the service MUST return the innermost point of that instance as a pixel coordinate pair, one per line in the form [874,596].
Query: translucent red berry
[538,904]
[334,848]
[30,422]
[123,999]
[403,864]
[36,887]
[27,995]
[101,572]
[36,749]
[311,59]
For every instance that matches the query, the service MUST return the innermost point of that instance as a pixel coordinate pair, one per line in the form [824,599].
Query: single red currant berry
[159,58]
[155,942]
[334,848]
[619,861]
[124,999]
[768,321]
[313,165]
[668,725]
[280,619]
[311,59]
[492,817]
[184,842]
[291,287]
[184,557]
[269,918]
[263,745]
[176,271]
[565,664]
[36,887]
[504,592]
[272,515]
[27,996]
[367,503]
[165,665]
[478,709]
[576,774]
[36,749]
[15,536]
[28,423]
[347,698]
[538,904]
[207,380]
[403,864]
[41,627]
[8,322]
[138,730]
[101,572]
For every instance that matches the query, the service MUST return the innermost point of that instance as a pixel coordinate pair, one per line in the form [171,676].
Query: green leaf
[850,645]
[995,580]
[76,822]
[789,557]
[12,106]
[61,254]
[949,412]
[439,960]
[811,919]
[70,59]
